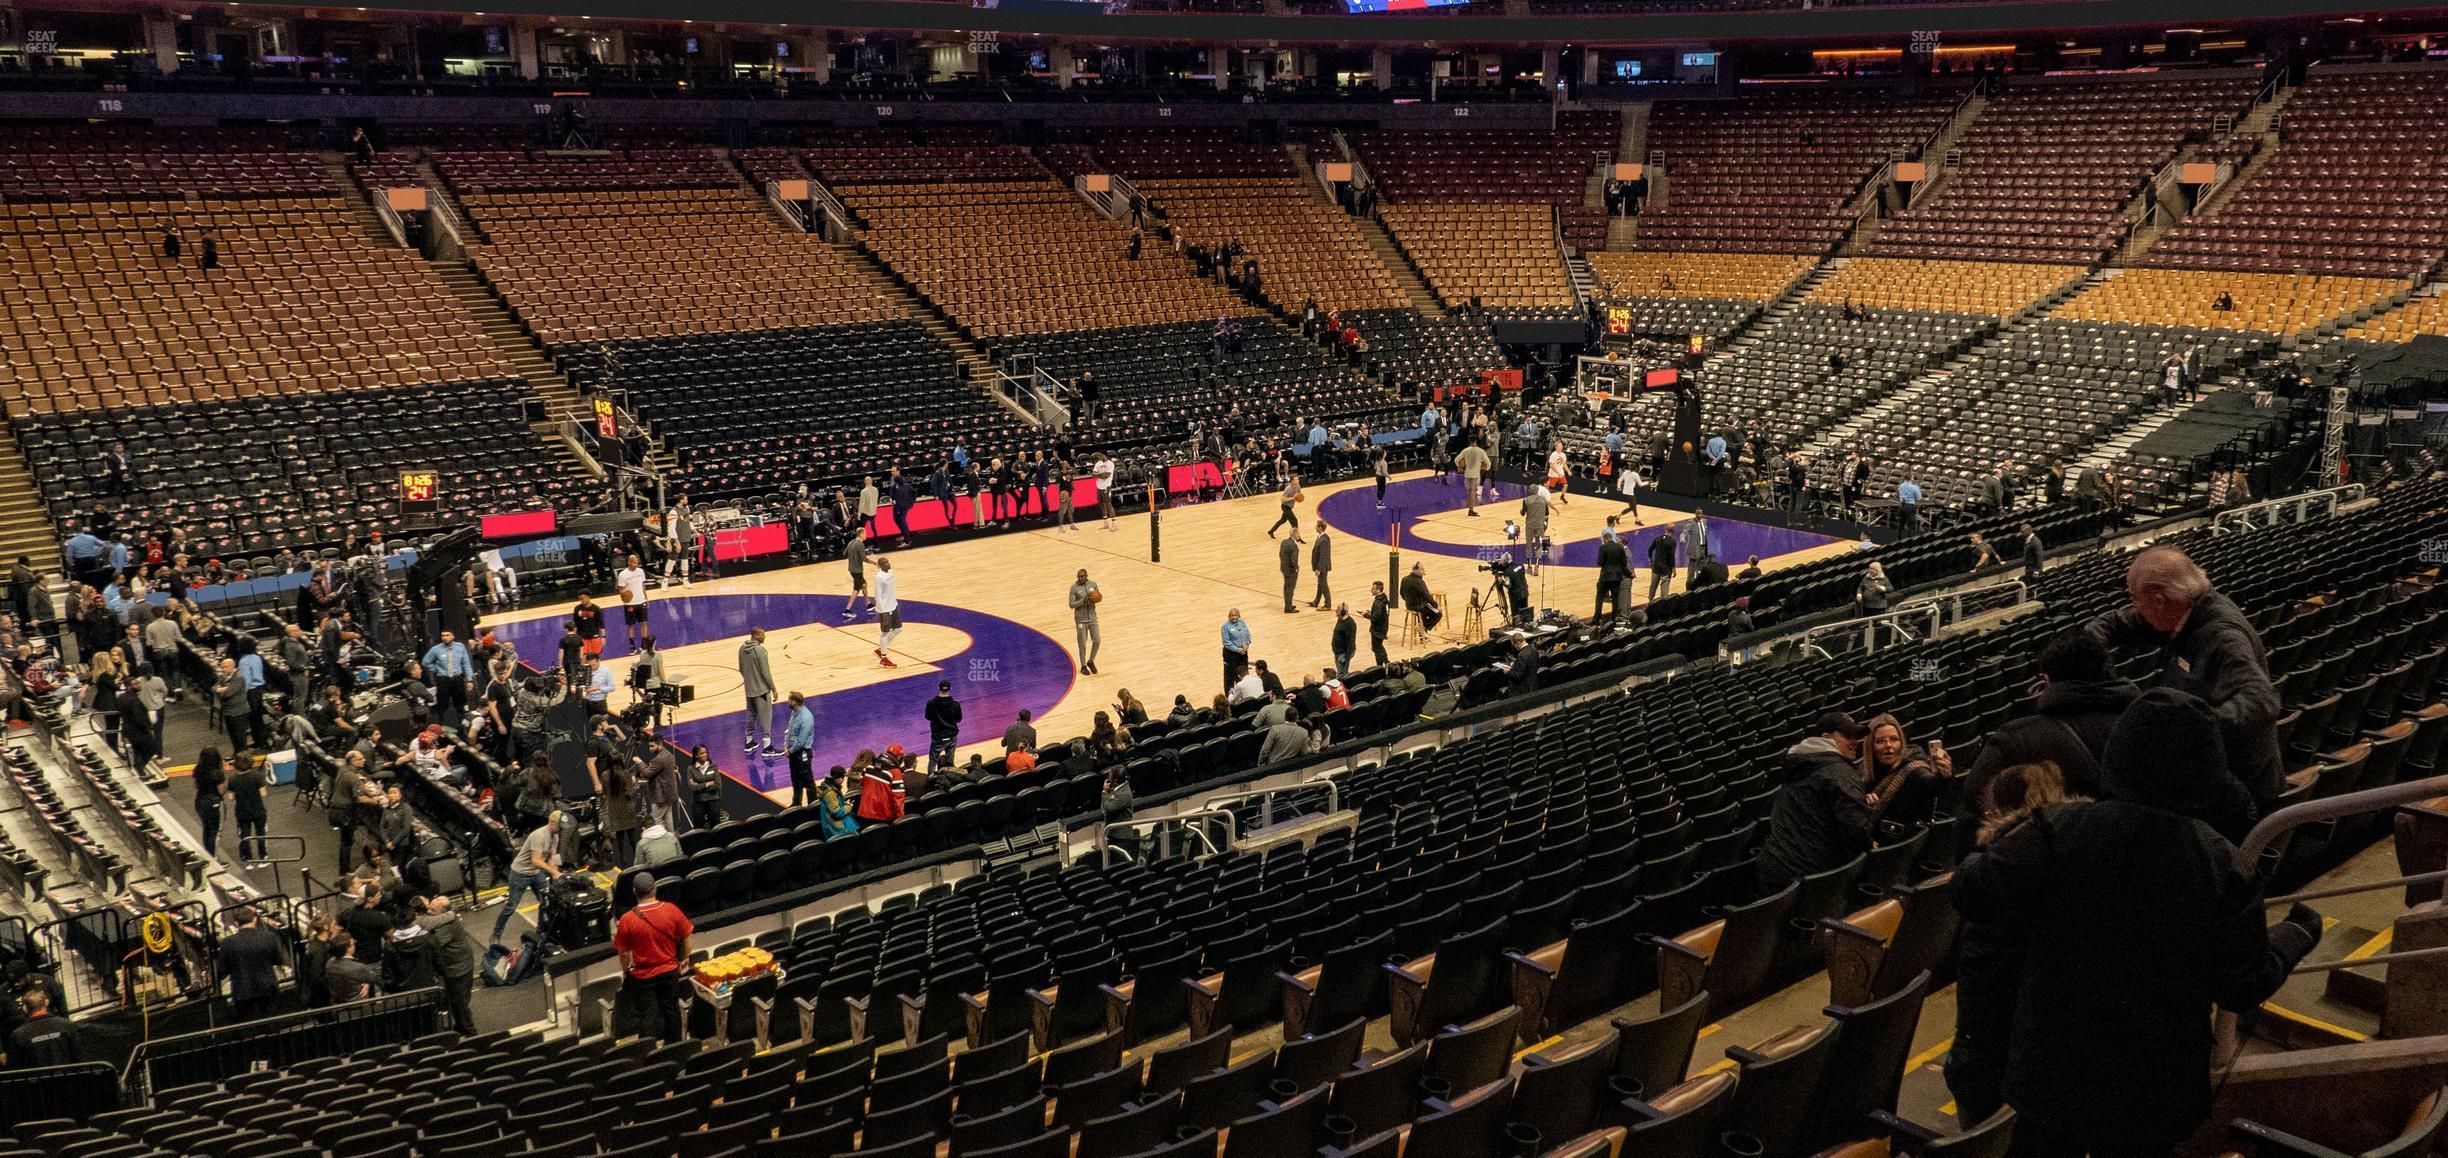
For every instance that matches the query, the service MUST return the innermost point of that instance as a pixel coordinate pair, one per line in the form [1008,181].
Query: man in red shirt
[653,942]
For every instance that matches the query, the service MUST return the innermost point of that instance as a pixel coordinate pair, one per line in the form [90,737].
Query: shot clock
[420,492]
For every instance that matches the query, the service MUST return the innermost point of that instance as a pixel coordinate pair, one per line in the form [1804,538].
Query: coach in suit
[1288,554]
[1695,543]
[1661,566]
[1321,560]
[757,683]
[1614,565]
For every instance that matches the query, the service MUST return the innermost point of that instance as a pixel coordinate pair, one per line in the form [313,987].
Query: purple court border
[1354,512]
[1005,668]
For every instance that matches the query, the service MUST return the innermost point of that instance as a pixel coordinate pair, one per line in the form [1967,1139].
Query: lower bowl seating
[1155,381]
[756,413]
[254,475]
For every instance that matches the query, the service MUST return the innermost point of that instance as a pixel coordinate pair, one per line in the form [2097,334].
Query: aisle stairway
[1632,140]
[1836,438]
[1944,143]
[361,209]
[2262,121]
[1776,310]
[25,526]
[977,369]
[526,356]
[1584,280]
[1406,275]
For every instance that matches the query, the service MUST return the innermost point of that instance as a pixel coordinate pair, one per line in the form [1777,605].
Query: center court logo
[985,671]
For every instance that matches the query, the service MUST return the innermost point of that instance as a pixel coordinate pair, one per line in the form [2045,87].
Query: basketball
[1096,597]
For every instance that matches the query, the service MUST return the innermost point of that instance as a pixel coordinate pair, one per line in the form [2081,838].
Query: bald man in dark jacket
[2203,645]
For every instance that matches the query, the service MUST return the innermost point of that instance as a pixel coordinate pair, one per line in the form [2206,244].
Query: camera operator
[1516,580]
[646,672]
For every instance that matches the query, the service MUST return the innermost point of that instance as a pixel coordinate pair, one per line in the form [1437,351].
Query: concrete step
[2305,1013]
[977,370]
[1407,275]
[25,523]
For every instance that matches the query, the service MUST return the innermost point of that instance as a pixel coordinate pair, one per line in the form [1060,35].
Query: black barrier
[276,1042]
[17,943]
[76,1091]
[118,967]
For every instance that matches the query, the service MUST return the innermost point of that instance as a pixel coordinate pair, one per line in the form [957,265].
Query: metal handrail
[1040,394]
[1317,169]
[1052,411]
[832,206]
[1555,236]
[1163,829]
[439,207]
[2295,508]
[2248,853]
[1266,799]
[2165,179]
[1867,627]
[796,211]
[390,218]
[2256,843]
[1951,603]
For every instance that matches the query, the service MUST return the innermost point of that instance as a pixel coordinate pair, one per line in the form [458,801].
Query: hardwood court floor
[990,615]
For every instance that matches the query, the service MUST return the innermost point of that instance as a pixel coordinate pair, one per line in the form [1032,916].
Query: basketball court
[990,614]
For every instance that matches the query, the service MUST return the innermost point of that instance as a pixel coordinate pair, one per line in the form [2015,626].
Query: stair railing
[390,217]
[1555,227]
[2261,844]
[797,211]
[447,224]
[2286,509]
[832,208]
